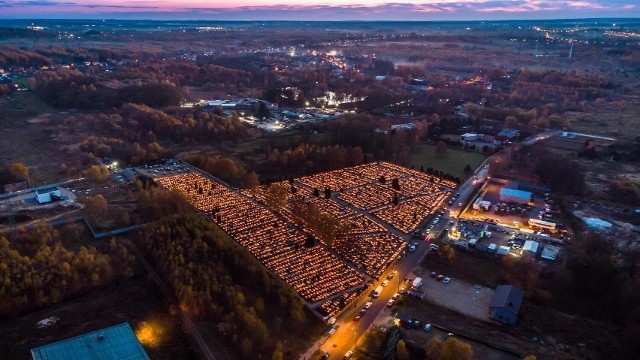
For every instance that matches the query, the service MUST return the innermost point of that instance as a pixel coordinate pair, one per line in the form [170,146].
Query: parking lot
[465,298]
[163,168]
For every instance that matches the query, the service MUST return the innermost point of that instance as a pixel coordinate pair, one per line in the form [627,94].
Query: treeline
[136,132]
[309,159]
[224,168]
[72,89]
[216,279]
[38,270]
[10,56]
[561,174]
[597,282]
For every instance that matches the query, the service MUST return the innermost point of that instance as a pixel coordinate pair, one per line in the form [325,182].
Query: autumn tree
[441,148]
[20,171]
[455,349]
[277,195]
[96,205]
[402,353]
[251,180]
[97,173]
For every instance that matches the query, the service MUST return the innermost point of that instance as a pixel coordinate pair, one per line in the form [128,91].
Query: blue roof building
[514,196]
[117,342]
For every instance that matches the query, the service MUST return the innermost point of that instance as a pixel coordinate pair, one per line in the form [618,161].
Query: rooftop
[508,297]
[515,193]
[117,342]
[46,190]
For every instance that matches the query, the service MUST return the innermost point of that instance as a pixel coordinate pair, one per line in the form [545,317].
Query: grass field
[20,106]
[453,162]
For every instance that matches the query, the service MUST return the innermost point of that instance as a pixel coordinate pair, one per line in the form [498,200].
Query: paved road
[344,339]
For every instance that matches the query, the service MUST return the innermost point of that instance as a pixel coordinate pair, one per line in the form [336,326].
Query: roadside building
[112,343]
[47,195]
[505,304]
[550,252]
[530,248]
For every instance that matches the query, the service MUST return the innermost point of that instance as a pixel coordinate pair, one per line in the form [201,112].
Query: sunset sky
[319,10]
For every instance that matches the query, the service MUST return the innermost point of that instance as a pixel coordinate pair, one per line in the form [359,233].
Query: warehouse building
[47,195]
[505,304]
[113,343]
[514,196]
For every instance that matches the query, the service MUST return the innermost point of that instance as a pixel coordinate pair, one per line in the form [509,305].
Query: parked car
[427,327]
[348,354]
[440,277]
[357,318]
[433,274]
[390,303]
[446,280]
[395,296]
[385,283]
[368,304]
[390,276]
[325,356]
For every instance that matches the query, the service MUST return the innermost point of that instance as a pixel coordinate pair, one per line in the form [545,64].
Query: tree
[20,170]
[467,169]
[395,184]
[433,348]
[277,353]
[441,148]
[96,205]
[97,173]
[455,349]
[251,180]
[277,195]
[327,193]
[402,353]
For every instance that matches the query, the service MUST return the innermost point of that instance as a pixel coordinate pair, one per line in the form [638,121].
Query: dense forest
[73,89]
[40,266]
[216,279]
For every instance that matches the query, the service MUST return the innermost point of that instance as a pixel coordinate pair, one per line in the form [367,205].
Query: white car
[348,355]
[368,304]
[446,280]
[385,283]
[427,327]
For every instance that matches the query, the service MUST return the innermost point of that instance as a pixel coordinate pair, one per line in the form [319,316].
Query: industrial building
[505,304]
[530,248]
[47,195]
[509,195]
[549,252]
[113,343]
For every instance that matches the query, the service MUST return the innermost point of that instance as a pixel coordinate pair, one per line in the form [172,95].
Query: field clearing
[29,122]
[453,162]
[610,119]
[22,106]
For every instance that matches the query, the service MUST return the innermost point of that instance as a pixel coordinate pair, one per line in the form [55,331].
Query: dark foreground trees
[216,279]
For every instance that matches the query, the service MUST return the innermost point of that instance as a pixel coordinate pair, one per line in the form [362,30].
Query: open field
[453,162]
[133,301]
[614,120]
[28,122]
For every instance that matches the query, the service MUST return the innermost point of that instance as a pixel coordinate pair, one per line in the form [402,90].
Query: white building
[47,195]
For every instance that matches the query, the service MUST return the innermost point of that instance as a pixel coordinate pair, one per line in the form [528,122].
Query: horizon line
[324,21]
